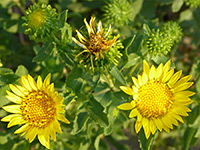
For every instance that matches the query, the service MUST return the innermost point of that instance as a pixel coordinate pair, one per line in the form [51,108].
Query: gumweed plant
[128,78]
[37,108]
[100,49]
[159,98]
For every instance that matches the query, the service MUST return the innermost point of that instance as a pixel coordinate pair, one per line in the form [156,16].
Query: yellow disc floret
[38,109]
[154,99]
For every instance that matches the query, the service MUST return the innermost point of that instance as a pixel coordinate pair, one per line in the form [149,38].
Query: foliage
[156,31]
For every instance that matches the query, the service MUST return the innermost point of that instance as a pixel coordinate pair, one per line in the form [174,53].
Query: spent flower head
[38,108]
[193,3]
[100,47]
[173,30]
[118,12]
[159,98]
[158,42]
[41,22]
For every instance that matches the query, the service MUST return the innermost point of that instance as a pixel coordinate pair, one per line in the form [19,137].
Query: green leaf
[145,144]
[43,53]
[21,70]
[7,76]
[146,29]
[133,59]
[95,110]
[187,138]
[118,75]
[177,4]
[80,122]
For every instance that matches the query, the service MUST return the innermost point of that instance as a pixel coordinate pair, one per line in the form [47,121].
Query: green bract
[41,22]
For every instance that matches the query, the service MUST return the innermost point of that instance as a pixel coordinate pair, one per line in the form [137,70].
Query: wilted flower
[159,98]
[99,46]
[38,107]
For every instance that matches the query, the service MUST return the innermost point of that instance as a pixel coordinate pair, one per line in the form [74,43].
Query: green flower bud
[172,30]
[158,42]
[41,22]
[118,12]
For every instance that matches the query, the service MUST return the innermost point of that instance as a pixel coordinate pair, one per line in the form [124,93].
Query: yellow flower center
[96,43]
[36,18]
[38,109]
[154,99]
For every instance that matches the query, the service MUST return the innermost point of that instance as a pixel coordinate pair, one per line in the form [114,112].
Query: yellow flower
[38,107]
[159,98]
[96,43]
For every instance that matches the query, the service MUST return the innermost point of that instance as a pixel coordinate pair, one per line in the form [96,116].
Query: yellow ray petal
[158,124]
[39,82]
[176,116]
[184,93]
[152,126]
[135,81]
[127,90]
[180,111]
[159,71]
[22,129]
[140,80]
[16,120]
[182,81]
[25,83]
[32,83]
[167,121]
[32,133]
[166,67]
[89,28]
[44,138]
[144,78]
[145,123]
[57,126]
[146,67]
[133,113]
[12,97]
[81,38]
[16,90]
[12,108]
[138,126]
[10,117]
[22,89]
[167,75]
[174,78]
[152,72]
[125,106]
[183,87]
[47,80]
[63,119]
[52,132]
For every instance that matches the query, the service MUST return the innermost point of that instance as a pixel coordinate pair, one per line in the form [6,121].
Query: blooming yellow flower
[159,98]
[38,107]
[96,43]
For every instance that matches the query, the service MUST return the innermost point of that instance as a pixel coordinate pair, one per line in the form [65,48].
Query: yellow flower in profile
[38,107]
[96,43]
[159,98]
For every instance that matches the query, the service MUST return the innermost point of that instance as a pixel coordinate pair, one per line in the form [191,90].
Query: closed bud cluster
[41,22]
[173,30]
[158,42]
[118,12]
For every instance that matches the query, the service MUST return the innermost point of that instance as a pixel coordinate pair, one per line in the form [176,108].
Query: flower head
[159,98]
[41,21]
[97,45]
[38,107]
[118,12]
[158,42]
